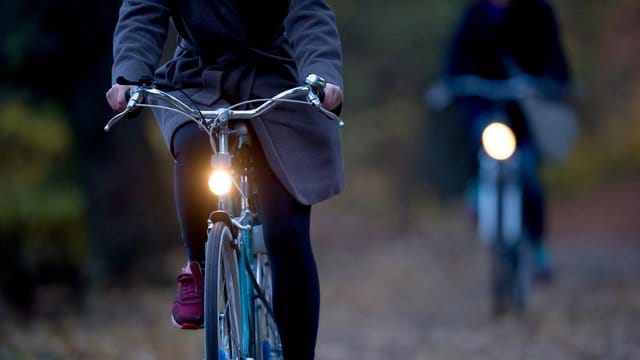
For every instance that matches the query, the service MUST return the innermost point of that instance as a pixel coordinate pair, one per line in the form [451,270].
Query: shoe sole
[186,326]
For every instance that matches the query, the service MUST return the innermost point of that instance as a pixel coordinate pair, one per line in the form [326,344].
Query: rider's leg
[191,151]
[296,289]
[535,212]
[192,154]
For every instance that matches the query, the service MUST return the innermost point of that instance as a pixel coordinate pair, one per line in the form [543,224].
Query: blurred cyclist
[494,39]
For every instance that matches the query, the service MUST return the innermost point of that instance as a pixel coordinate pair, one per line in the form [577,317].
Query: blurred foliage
[77,204]
[392,50]
[41,204]
[412,156]
[603,41]
[42,212]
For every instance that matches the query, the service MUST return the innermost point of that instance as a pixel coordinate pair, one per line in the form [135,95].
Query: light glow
[499,141]
[220,182]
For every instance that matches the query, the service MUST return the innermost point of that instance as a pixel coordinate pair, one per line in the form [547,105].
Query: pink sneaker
[188,307]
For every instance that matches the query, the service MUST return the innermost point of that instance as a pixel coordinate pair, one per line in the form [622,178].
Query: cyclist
[229,51]
[493,38]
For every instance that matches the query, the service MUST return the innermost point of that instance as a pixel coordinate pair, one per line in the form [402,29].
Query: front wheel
[510,277]
[267,337]
[222,313]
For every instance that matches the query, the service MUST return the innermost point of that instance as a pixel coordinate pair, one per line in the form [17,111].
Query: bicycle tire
[522,280]
[223,340]
[510,277]
[268,342]
[502,277]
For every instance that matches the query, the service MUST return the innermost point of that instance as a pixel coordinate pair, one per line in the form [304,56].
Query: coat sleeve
[139,38]
[311,29]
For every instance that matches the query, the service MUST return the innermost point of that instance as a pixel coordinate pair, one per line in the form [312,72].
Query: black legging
[296,290]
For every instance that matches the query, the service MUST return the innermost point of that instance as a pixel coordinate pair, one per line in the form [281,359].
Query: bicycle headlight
[220,182]
[499,141]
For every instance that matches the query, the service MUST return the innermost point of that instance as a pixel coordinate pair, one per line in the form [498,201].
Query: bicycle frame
[236,209]
[243,223]
[249,239]
[499,198]
[500,214]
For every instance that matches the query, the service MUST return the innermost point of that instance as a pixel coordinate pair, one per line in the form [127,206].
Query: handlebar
[442,93]
[311,90]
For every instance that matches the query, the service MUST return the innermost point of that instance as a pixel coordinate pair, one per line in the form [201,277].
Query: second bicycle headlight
[499,141]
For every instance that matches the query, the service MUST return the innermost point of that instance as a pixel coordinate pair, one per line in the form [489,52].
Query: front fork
[245,230]
[246,263]
[500,215]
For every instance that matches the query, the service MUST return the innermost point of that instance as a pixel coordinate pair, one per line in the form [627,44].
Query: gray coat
[233,50]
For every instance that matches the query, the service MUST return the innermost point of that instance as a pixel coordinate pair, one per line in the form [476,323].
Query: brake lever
[133,97]
[115,119]
[331,115]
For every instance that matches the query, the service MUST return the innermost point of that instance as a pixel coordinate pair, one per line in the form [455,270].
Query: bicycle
[499,191]
[500,215]
[238,319]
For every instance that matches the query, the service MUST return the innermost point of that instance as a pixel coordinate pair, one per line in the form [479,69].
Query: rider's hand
[116,96]
[332,96]
[439,96]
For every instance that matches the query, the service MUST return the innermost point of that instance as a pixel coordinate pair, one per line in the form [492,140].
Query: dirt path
[414,301]
[425,296]
[418,295]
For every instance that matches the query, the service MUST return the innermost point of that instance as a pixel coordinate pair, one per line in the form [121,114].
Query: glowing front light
[220,182]
[498,141]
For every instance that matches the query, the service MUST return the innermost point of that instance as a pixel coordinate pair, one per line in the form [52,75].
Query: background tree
[59,53]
